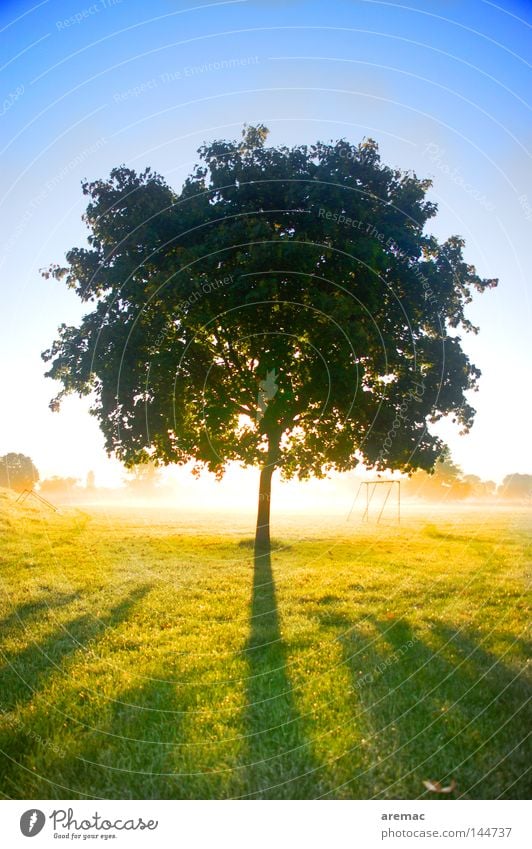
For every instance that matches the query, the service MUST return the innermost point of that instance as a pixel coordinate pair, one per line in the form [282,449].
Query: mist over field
[146,638]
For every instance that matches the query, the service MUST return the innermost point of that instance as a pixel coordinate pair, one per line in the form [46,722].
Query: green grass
[147,658]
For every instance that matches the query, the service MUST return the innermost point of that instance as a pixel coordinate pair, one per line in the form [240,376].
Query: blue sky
[442,86]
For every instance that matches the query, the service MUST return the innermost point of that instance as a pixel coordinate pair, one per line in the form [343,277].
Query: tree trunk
[262,533]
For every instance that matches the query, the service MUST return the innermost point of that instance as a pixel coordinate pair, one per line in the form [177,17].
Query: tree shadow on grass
[30,609]
[147,750]
[128,754]
[497,699]
[435,709]
[25,673]
[278,752]
[147,745]
[416,693]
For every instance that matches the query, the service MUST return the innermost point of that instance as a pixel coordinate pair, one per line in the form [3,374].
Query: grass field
[146,656]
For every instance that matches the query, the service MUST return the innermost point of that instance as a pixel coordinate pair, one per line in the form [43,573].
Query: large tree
[285,309]
[17,472]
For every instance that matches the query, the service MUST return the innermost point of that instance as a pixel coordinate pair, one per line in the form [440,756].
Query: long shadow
[482,702]
[20,614]
[441,708]
[147,730]
[26,672]
[127,754]
[483,669]
[497,696]
[420,715]
[278,751]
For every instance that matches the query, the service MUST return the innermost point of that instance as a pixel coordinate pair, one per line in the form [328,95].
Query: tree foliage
[445,481]
[144,477]
[308,267]
[517,486]
[17,472]
[57,485]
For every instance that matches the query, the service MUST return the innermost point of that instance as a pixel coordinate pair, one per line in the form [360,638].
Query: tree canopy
[446,481]
[57,485]
[17,471]
[286,308]
[517,486]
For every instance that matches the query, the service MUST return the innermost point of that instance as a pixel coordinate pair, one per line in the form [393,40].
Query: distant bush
[56,485]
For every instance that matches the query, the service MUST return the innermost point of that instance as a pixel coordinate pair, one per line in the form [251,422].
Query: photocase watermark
[364,227]
[66,820]
[32,822]
[66,825]
[209,67]
[16,723]
[183,306]
[206,288]
[436,155]
[11,99]
[415,395]
[182,74]
[380,668]
[48,187]
[526,207]
[368,229]
[267,390]
[86,13]
[355,154]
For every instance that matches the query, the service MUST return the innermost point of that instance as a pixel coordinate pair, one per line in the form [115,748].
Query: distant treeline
[447,481]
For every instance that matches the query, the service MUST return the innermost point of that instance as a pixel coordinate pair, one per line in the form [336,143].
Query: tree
[444,481]
[143,477]
[480,488]
[17,472]
[57,485]
[284,309]
[516,486]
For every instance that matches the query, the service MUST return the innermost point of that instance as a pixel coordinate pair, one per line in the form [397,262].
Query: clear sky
[442,85]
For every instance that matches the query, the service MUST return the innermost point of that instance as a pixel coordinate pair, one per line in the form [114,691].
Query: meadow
[145,655]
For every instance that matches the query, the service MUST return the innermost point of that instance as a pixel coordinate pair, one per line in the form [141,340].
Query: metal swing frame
[369,497]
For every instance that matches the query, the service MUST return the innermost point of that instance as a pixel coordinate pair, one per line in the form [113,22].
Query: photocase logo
[32,822]
[267,390]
